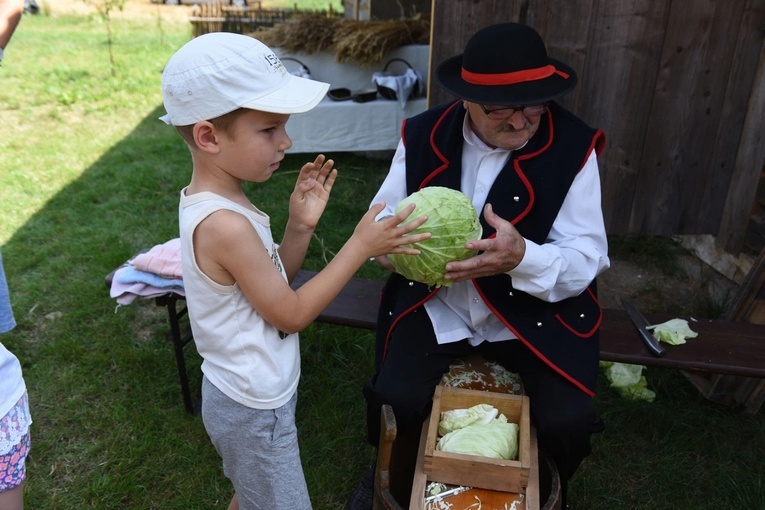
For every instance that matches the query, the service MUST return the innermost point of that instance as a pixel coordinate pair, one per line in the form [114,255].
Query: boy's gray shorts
[259,449]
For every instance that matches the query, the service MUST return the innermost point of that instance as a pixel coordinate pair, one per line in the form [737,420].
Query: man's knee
[573,423]
[410,407]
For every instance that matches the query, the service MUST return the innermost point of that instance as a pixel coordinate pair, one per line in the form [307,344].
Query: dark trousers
[414,363]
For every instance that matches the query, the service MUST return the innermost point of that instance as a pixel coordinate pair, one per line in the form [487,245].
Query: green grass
[313,5]
[88,176]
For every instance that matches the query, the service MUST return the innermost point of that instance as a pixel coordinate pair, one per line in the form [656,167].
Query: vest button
[539,324]
[516,199]
[581,316]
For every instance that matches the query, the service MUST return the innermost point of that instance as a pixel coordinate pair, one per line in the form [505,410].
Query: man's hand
[500,254]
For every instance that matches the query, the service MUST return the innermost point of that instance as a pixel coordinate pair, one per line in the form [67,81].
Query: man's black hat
[506,64]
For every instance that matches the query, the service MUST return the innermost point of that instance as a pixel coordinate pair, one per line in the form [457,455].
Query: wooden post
[453,23]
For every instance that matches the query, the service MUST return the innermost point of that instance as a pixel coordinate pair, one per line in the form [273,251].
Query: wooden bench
[723,347]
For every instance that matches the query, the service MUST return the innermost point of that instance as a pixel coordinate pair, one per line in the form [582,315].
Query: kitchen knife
[640,323]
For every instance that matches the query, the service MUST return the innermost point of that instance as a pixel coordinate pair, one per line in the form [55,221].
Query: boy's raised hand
[389,235]
[312,190]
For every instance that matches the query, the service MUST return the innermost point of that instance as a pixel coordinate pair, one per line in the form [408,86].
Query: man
[527,299]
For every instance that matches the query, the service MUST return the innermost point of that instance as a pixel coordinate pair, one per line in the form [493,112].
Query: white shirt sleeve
[576,250]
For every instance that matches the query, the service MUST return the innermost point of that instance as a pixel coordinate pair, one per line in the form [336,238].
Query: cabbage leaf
[673,332]
[628,380]
[461,418]
[496,439]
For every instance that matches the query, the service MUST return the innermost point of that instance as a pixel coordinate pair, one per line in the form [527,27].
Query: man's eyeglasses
[509,111]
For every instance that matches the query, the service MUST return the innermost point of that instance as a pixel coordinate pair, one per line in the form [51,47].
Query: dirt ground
[692,285]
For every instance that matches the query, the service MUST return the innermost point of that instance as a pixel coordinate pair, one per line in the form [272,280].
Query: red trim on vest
[522,176]
[528,344]
[511,78]
[589,333]
[597,144]
[433,146]
[402,315]
[529,188]
[599,141]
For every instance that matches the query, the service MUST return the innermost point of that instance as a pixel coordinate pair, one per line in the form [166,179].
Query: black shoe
[362,495]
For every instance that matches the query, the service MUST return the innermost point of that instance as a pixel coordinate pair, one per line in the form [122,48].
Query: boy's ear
[206,137]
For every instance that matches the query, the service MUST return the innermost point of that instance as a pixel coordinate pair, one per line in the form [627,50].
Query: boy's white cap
[217,73]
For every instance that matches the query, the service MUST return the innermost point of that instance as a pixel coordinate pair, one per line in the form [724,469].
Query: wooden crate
[741,393]
[471,470]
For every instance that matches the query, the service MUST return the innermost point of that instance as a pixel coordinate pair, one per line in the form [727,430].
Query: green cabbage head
[452,221]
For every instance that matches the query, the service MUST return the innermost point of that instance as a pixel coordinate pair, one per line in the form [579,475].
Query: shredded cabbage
[452,222]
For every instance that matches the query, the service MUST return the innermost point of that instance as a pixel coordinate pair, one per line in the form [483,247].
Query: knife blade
[640,323]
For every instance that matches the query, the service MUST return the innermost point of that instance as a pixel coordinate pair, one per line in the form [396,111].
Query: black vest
[528,192]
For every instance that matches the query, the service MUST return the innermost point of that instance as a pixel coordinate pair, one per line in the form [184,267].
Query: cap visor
[298,95]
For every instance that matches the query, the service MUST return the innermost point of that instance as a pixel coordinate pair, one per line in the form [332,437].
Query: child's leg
[234,505]
[12,499]
[259,450]
[12,475]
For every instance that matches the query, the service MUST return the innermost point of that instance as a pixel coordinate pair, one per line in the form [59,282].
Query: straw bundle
[305,33]
[366,42]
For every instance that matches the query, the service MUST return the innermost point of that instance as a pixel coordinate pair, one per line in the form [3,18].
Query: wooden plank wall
[678,86]
[388,9]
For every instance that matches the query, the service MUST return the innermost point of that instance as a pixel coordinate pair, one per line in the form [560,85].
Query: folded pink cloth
[162,259]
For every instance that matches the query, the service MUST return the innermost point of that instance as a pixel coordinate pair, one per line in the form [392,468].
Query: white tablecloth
[337,126]
[342,126]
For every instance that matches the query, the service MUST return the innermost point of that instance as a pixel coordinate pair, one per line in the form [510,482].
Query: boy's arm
[229,251]
[307,204]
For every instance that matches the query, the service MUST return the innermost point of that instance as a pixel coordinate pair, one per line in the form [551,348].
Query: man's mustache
[509,127]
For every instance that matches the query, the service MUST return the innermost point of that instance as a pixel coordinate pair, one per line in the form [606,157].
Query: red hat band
[513,77]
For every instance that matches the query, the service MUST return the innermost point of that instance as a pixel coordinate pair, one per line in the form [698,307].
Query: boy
[230,97]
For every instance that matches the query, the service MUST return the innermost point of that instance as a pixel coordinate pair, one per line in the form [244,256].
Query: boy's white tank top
[243,356]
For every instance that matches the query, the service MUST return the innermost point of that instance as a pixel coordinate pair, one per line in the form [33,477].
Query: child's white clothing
[244,356]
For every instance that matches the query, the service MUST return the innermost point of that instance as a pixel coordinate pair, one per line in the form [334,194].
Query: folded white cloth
[402,84]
